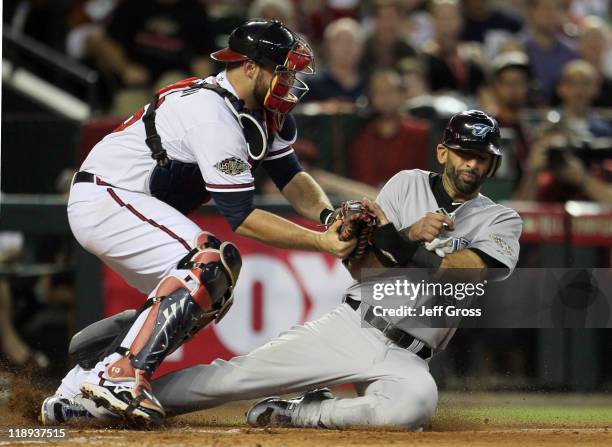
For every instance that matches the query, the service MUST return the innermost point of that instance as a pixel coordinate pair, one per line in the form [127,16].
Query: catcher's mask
[271,44]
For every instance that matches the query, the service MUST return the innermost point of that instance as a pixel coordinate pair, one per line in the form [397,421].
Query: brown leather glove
[357,222]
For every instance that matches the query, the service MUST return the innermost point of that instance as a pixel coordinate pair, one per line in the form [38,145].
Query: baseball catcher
[197,140]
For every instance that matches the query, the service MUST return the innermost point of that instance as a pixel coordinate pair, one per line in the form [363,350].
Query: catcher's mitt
[357,222]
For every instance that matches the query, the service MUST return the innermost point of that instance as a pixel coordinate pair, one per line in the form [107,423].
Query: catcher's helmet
[474,130]
[263,41]
[271,44]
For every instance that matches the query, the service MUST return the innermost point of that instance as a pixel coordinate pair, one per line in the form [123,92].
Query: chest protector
[180,184]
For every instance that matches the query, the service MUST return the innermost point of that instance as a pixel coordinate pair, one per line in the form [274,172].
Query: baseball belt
[398,336]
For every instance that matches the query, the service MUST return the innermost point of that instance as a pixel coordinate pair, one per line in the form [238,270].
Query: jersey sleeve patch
[232,166]
[501,245]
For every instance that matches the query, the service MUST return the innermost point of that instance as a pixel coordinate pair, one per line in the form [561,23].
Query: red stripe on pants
[151,222]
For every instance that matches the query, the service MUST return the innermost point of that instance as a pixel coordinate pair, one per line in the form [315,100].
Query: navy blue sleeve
[282,170]
[289,129]
[234,206]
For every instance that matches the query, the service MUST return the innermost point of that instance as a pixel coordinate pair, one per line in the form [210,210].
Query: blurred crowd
[543,68]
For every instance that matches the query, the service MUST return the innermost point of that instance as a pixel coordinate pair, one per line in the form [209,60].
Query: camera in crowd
[590,151]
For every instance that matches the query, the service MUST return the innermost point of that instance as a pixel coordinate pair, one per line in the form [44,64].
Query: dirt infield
[220,437]
[462,419]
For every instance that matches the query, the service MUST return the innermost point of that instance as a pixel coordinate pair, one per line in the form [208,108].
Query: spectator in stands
[594,46]
[537,174]
[387,45]
[390,142]
[482,17]
[418,99]
[413,78]
[573,172]
[417,21]
[508,97]
[281,10]
[316,15]
[86,19]
[339,85]
[551,171]
[150,44]
[547,51]
[578,87]
[449,65]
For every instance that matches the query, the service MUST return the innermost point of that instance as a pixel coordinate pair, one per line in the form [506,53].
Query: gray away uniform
[394,385]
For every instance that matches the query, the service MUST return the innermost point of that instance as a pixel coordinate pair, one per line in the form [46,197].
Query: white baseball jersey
[198,128]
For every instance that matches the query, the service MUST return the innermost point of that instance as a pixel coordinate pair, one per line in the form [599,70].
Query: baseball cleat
[274,411]
[269,412]
[57,410]
[125,392]
[138,407]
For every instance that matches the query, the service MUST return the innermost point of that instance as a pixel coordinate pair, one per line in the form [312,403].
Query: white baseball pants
[138,236]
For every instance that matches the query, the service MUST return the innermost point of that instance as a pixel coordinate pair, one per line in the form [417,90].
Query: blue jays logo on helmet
[480,130]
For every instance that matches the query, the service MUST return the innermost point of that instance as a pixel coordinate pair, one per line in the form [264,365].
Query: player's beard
[459,184]
[261,89]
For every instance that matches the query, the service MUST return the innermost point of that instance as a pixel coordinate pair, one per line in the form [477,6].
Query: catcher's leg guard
[179,308]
